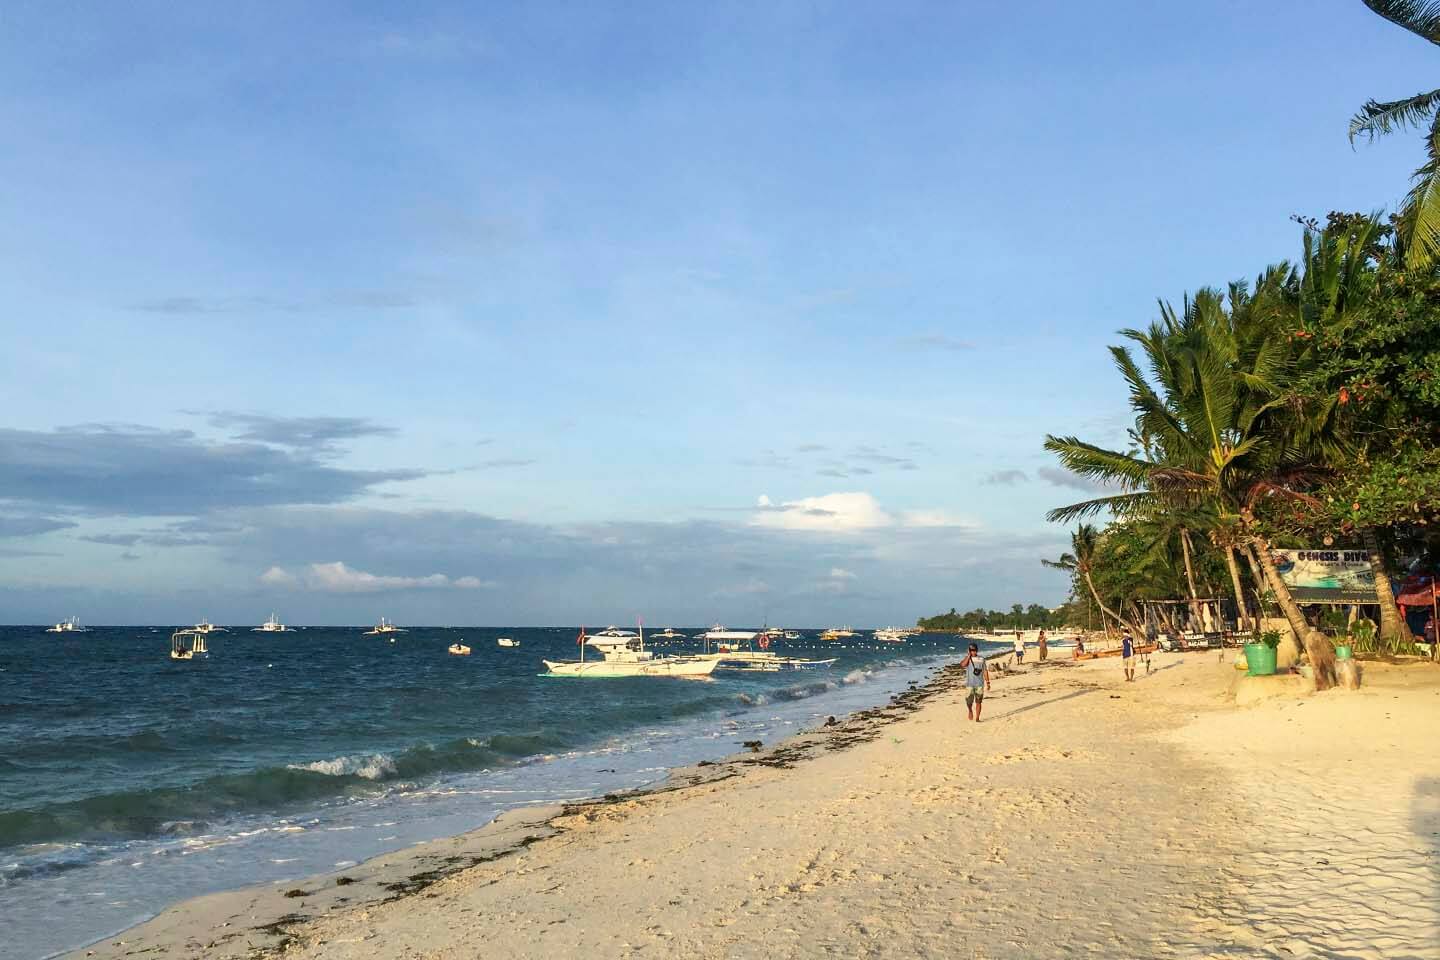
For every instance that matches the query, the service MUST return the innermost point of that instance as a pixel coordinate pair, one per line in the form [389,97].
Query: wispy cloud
[337,577]
[114,539]
[31,526]
[310,433]
[502,463]
[934,341]
[1005,478]
[189,305]
[1057,477]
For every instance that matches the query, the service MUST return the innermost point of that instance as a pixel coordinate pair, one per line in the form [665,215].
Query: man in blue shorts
[1127,654]
[977,681]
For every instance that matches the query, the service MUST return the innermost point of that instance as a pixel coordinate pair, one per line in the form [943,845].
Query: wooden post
[1435,622]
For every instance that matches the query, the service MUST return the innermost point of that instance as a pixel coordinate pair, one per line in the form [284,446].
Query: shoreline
[408,870]
[901,830]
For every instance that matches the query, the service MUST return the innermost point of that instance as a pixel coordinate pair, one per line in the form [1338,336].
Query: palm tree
[1080,561]
[1225,434]
[1419,216]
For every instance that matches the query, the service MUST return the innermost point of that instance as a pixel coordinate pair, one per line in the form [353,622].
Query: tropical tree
[1224,428]
[1080,561]
[1419,216]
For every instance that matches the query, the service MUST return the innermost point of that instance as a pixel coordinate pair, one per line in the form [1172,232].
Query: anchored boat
[188,645]
[623,654]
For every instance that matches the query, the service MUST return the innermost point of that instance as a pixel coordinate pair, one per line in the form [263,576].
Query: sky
[562,313]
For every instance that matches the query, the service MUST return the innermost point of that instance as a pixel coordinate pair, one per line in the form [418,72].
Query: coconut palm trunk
[1394,631]
[1196,619]
[1317,646]
[1241,613]
[1104,610]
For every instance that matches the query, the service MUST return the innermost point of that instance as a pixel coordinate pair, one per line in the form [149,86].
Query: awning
[1416,591]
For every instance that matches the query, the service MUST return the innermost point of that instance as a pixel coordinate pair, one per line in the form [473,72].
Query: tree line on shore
[1300,409]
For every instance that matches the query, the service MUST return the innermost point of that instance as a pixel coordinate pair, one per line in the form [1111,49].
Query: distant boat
[382,628]
[205,626]
[459,650]
[837,633]
[669,634]
[623,654]
[68,626]
[890,635]
[188,645]
[507,642]
[273,625]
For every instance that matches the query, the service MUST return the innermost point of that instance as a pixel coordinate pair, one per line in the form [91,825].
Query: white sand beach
[1084,816]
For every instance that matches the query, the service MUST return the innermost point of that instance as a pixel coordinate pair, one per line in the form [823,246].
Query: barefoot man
[977,681]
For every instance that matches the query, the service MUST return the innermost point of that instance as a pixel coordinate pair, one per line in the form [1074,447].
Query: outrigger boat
[623,654]
[735,650]
[837,633]
[381,628]
[668,633]
[507,642]
[459,650]
[205,626]
[188,645]
[273,625]
[68,626]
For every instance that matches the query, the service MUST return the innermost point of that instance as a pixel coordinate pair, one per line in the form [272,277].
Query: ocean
[129,781]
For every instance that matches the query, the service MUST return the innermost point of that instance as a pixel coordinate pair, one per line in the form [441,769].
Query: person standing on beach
[1019,647]
[1044,649]
[1127,655]
[977,681]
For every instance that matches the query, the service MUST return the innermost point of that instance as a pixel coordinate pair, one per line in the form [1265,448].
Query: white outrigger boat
[507,642]
[735,650]
[382,628]
[890,635]
[205,626]
[68,626]
[837,633]
[189,645]
[669,633]
[273,625]
[623,654]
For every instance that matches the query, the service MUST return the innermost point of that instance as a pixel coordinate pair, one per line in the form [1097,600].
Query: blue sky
[558,313]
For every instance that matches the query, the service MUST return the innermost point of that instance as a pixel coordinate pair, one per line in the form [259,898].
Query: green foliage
[1271,638]
[1018,617]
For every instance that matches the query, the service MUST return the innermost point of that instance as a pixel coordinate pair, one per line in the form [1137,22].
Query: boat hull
[659,667]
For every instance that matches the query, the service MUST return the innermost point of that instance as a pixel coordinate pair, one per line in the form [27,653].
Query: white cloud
[763,501]
[835,512]
[840,573]
[278,577]
[336,577]
[933,518]
[846,512]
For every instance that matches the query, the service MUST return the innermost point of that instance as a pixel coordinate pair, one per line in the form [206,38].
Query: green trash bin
[1260,658]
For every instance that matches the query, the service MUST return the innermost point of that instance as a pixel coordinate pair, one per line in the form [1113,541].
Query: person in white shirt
[1019,647]
[977,682]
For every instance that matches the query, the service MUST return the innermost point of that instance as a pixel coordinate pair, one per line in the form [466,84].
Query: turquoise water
[129,781]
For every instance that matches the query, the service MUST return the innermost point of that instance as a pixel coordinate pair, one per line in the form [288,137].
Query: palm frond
[1120,503]
[1420,17]
[1376,118]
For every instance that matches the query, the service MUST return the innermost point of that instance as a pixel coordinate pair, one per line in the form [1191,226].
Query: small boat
[68,626]
[890,635]
[459,650]
[273,625]
[837,633]
[382,628]
[205,626]
[188,645]
[507,642]
[623,654]
[794,635]
[668,634]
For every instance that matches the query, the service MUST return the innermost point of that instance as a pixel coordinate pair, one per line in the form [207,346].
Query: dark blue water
[128,780]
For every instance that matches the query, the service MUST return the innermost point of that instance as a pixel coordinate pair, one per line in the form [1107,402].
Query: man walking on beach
[1019,647]
[977,681]
[1127,654]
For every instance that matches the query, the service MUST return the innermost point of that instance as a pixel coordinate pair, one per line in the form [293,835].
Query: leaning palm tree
[1419,216]
[1080,561]
[1225,433]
